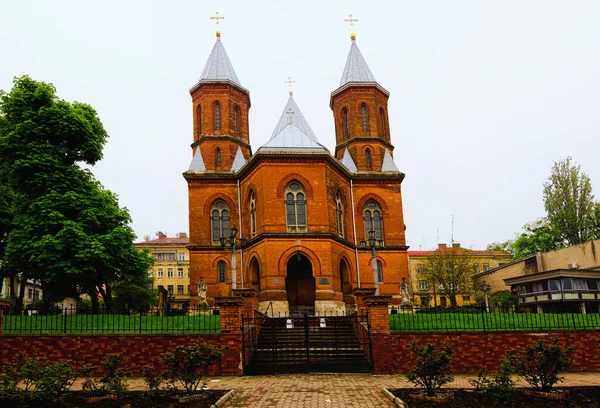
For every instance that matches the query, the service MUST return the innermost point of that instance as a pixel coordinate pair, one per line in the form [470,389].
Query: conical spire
[388,163]
[218,67]
[197,163]
[356,69]
[293,131]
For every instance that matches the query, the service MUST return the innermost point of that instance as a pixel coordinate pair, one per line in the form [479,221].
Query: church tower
[220,111]
[360,111]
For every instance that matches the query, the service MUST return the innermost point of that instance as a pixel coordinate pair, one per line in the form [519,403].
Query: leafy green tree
[538,236]
[68,231]
[451,270]
[507,246]
[569,203]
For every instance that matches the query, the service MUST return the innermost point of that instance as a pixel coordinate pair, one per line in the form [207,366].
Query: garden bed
[579,397]
[132,399]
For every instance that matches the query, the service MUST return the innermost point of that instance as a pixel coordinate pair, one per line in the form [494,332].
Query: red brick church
[309,226]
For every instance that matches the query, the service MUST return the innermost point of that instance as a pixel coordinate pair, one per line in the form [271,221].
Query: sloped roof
[197,163]
[218,67]
[348,162]
[356,69]
[163,242]
[471,252]
[388,163]
[238,161]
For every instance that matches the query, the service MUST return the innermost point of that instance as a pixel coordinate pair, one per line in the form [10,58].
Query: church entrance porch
[300,284]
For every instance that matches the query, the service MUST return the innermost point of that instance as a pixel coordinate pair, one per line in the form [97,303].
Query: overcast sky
[485,95]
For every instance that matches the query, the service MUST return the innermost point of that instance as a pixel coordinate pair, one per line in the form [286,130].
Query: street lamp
[485,288]
[373,244]
[232,242]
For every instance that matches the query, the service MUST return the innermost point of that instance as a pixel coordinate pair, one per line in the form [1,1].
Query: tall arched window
[373,218]
[365,122]
[198,119]
[236,119]
[218,158]
[345,122]
[217,115]
[295,207]
[379,272]
[382,128]
[219,221]
[253,213]
[368,162]
[339,209]
[221,272]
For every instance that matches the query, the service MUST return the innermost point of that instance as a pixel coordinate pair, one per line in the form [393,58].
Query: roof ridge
[356,69]
[218,66]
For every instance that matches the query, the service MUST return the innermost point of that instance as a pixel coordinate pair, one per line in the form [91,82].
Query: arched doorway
[255,275]
[346,288]
[300,283]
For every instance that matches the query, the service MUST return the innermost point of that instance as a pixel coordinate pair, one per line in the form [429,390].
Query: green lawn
[108,324]
[496,321]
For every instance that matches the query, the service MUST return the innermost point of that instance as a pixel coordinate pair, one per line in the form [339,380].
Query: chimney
[441,246]
[182,235]
[455,245]
[160,235]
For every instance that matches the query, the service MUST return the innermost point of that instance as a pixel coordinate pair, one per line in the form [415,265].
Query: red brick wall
[137,350]
[471,351]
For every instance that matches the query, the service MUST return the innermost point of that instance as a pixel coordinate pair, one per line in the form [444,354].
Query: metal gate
[303,343]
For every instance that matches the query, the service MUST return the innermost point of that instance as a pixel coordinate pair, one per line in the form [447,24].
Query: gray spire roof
[238,161]
[348,162]
[356,69]
[388,163]
[197,163]
[218,67]
[293,132]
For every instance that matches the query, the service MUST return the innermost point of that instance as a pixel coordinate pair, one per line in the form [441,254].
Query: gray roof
[356,69]
[348,162]
[218,67]
[293,132]
[238,161]
[197,163]
[388,163]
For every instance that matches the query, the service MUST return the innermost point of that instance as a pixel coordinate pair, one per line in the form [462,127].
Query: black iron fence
[488,320]
[151,321]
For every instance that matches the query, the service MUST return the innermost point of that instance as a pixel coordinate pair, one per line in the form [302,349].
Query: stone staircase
[307,347]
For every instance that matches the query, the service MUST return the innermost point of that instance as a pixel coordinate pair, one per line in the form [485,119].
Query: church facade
[309,226]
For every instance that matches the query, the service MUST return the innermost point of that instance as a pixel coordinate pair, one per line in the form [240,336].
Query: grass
[495,321]
[110,324]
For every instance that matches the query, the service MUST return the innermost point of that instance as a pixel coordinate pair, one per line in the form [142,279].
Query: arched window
[218,158]
[382,122]
[345,122]
[365,122]
[368,162]
[198,119]
[219,221]
[373,218]
[379,272]
[217,115]
[221,274]
[253,213]
[236,119]
[295,207]
[339,209]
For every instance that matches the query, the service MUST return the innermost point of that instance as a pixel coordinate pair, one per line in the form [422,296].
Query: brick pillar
[381,341]
[360,294]
[230,309]
[250,300]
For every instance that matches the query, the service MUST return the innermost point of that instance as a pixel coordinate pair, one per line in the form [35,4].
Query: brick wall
[137,350]
[471,351]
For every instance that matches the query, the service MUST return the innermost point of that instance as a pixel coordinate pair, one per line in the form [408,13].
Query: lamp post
[232,242]
[373,244]
[485,288]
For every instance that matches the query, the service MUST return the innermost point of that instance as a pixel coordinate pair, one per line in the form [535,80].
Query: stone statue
[405,293]
[202,293]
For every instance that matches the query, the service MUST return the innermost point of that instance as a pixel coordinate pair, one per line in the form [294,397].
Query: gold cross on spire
[289,83]
[217,17]
[351,20]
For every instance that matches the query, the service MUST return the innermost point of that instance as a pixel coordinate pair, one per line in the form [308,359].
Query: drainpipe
[354,229]
[241,232]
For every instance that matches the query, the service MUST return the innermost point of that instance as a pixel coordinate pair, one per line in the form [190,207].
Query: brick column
[230,309]
[360,294]
[381,341]
[250,300]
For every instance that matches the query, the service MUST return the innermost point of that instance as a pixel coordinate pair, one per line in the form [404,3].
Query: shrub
[114,379]
[500,386]
[481,382]
[539,364]
[186,365]
[432,367]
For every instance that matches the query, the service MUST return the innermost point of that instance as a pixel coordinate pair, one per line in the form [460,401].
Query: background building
[171,268]
[427,294]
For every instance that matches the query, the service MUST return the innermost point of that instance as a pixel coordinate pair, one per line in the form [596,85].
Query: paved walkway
[331,390]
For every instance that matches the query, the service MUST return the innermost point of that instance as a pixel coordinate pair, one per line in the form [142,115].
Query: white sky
[485,95]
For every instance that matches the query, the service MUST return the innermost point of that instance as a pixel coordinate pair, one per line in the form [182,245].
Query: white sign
[322,322]
[289,324]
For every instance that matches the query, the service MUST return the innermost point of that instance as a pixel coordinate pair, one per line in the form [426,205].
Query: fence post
[360,294]
[64,320]
[230,310]
[573,318]
[381,341]
[250,300]
[483,319]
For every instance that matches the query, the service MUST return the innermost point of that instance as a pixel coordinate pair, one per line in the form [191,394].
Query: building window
[221,276]
[169,272]
[180,289]
[253,213]
[170,290]
[182,256]
[368,158]
[373,219]
[164,256]
[295,207]
[29,293]
[198,119]
[160,273]
[218,157]
[423,285]
[220,221]
[36,294]
[475,268]
[365,122]
[420,268]
[180,272]
[379,272]
[188,289]
[340,215]
[486,267]
[217,115]
[382,122]
[150,273]
[236,119]
[345,122]
[425,301]
[466,298]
